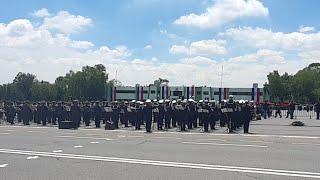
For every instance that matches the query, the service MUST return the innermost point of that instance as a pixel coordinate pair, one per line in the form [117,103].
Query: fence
[307,111]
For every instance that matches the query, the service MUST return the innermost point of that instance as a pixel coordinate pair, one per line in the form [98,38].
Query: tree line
[88,84]
[91,83]
[302,87]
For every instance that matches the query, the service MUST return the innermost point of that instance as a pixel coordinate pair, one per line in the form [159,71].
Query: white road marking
[32,157]
[121,136]
[79,137]
[278,172]
[94,142]
[135,136]
[9,130]
[78,146]
[37,131]
[4,133]
[96,134]
[68,133]
[211,139]
[306,144]
[252,141]
[3,165]
[167,138]
[57,151]
[217,144]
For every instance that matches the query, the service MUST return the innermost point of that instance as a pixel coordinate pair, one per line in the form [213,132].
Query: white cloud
[148,47]
[265,56]
[65,22]
[41,13]
[264,38]
[199,60]
[224,11]
[204,47]
[28,48]
[305,29]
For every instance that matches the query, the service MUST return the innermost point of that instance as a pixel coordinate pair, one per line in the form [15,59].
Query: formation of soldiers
[181,114]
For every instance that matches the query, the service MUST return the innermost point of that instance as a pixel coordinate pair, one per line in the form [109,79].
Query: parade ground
[273,150]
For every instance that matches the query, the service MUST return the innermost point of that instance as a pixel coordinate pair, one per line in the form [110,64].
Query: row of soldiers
[180,114]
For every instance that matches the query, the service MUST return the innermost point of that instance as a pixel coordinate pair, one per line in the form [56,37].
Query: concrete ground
[274,150]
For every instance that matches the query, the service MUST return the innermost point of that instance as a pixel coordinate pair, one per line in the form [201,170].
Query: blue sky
[150,36]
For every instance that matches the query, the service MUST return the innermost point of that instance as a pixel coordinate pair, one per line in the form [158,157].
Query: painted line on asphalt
[3,165]
[306,144]
[253,170]
[9,130]
[186,133]
[211,139]
[252,141]
[167,138]
[95,134]
[67,133]
[79,137]
[4,133]
[135,136]
[37,131]
[217,144]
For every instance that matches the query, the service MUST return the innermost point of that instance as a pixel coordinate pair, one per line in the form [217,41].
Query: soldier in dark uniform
[75,114]
[10,113]
[68,111]
[61,112]
[148,115]
[140,116]
[317,109]
[247,112]
[213,115]
[168,114]
[184,115]
[174,114]
[26,113]
[199,114]
[97,114]
[292,107]
[231,105]
[206,115]
[223,116]
[54,113]
[87,113]
[42,112]
[160,115]
[107,115]
[115,114]
[18,111]
[136,118]
[192,120]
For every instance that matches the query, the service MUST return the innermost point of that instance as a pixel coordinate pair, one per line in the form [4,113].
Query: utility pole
[221,76]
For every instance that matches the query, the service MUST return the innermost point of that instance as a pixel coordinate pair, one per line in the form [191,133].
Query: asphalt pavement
[273,150]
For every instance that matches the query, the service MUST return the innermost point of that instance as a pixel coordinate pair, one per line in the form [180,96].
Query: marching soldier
[317,109]
[168,114]
[247,112]
[75,114]
[115,114]
[231,105]
[192,120]
[213,114]
[87,113]
[148,115]
[61,112]
[206,116]
[160,115]
[54,113]
[184,115]
[10,113]
[97,111]
[174,113]
[42,112]
[26,113]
